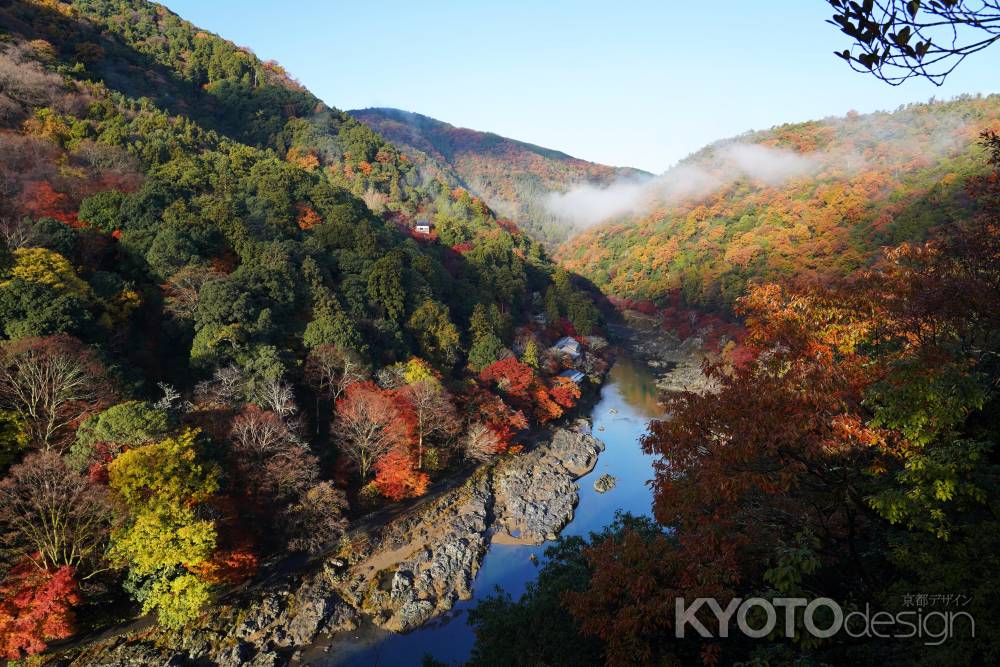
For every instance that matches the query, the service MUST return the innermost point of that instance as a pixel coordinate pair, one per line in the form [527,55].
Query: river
[620,417]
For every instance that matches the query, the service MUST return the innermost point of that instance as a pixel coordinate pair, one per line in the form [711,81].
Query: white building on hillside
[569,346]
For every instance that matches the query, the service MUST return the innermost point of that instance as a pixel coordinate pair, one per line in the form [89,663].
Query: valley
[515,179]
[282,384]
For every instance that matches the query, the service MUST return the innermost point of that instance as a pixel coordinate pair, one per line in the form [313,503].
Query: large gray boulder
[536,494]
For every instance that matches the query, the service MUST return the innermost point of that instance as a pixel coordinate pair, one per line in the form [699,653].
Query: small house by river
[572,375]
[568,346]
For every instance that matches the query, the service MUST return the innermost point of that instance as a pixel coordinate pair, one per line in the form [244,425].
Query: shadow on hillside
[135,74]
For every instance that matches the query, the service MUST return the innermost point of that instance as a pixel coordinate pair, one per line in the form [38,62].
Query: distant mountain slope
[511,176]
[179,153]
[806,200]
[195,248]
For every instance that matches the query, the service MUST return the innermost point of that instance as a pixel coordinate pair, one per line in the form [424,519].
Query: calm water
[628,402]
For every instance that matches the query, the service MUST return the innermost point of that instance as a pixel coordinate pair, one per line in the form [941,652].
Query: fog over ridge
[739,159]
[587,204]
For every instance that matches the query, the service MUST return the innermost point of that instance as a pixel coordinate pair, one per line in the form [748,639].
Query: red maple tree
[36,607]
[39,199]
[369,425]
[524,388]
[482,405]
[565,392]
[397,476]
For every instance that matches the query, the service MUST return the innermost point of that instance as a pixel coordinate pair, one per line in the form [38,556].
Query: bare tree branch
[897,40]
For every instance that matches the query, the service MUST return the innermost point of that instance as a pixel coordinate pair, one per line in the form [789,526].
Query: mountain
[806,201]
[218,321]
[512,177]
[122,119]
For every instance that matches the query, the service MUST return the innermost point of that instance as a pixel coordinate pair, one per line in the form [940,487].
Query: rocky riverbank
[536,495]
[677,363]
[422,564]
[400,574]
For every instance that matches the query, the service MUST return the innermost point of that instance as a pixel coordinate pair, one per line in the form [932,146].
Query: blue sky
[632,83]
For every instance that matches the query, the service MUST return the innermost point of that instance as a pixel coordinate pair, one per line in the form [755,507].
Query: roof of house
[572,374]
[568,343]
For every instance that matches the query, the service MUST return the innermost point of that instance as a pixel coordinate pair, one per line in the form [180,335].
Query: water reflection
[637,385]
[628,402]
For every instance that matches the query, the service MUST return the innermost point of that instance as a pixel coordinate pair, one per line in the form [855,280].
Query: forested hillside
[219,334]
[850,456]
[810,200]
[511,176]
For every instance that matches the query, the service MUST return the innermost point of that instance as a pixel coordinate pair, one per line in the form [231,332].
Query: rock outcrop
[259,630]
[536,494]
[604,483]
[677,363]
[400,574]
[421,565]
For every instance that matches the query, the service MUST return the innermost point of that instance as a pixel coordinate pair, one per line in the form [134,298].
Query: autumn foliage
[231,566]
[307,217]
[201,266]
[508,175]
[564,392]
[879,180]
[39,200]
[369,425]
[850,456]
[483,405]
[524,388]
[397,476]
[36,607]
